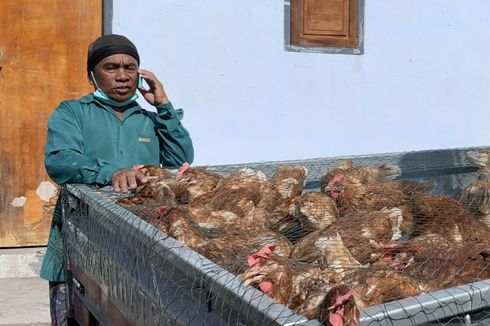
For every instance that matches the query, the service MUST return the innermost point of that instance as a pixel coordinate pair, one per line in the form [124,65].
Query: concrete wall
[422,82]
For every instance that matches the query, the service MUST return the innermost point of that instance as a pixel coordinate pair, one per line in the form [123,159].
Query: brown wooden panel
[326,17]
[331,23]
[92,292]
[43,47]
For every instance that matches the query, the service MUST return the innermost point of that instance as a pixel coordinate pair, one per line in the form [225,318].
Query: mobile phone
[140,81]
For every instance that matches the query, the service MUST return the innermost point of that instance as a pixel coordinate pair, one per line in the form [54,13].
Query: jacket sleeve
[64,159]
[175,142]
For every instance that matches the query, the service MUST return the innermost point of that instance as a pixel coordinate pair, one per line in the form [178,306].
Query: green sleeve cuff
[167,112]
[105,174]
[168,118]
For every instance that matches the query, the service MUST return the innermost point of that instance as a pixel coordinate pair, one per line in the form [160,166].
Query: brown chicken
[315,209]
[482,160]
[438,263]
[339,307]
[362,174]
[321,294]
[445,216]
[224,242]
[352,197]
[155,171]
[310,285]
[236,236]
[248,194]
[290,180]
[310,212]
[177,223]
[375,286]
[233,245]
[476,196]
[200,184]
[162,190]
[270,273]
[362,288]
[213,220]
[304,289]
[326,249]
[299,286]
[356,239]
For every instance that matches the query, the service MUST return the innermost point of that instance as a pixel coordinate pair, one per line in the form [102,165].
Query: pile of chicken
[363,239]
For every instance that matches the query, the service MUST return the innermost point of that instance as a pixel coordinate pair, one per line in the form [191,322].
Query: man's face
[117,76]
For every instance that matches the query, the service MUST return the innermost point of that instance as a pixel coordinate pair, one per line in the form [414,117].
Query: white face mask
[101,96]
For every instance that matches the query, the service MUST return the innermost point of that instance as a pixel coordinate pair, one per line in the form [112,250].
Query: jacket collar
[90,98]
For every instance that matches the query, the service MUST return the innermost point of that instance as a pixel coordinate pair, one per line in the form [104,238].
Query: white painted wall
[422,83]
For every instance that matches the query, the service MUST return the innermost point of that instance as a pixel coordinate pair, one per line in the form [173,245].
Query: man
[99,138]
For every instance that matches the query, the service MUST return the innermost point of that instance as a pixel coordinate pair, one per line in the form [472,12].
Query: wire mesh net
[382,239]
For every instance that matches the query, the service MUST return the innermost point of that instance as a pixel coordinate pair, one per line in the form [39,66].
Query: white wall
[422,83]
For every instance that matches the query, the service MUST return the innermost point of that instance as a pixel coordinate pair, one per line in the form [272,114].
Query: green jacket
[87,143]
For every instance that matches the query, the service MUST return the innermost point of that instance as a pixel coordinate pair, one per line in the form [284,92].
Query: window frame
[288,47]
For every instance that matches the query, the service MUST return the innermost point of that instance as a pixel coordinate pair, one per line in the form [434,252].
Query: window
[328,26]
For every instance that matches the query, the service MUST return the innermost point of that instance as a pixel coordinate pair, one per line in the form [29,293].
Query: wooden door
[43,49]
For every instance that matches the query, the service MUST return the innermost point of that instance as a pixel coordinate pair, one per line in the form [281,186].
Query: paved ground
[23,295]
[24,301]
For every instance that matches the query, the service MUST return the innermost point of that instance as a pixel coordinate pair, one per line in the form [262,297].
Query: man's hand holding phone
[154,94]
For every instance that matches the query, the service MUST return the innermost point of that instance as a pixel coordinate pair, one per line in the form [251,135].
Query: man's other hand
[128,179]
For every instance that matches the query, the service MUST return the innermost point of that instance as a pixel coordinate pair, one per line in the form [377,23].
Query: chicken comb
[337,178]
[342,301]
[160,210]
[265,286]
[137,167]
[262,253]
[182,169]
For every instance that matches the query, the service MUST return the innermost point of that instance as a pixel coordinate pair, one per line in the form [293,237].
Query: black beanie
[107,45]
